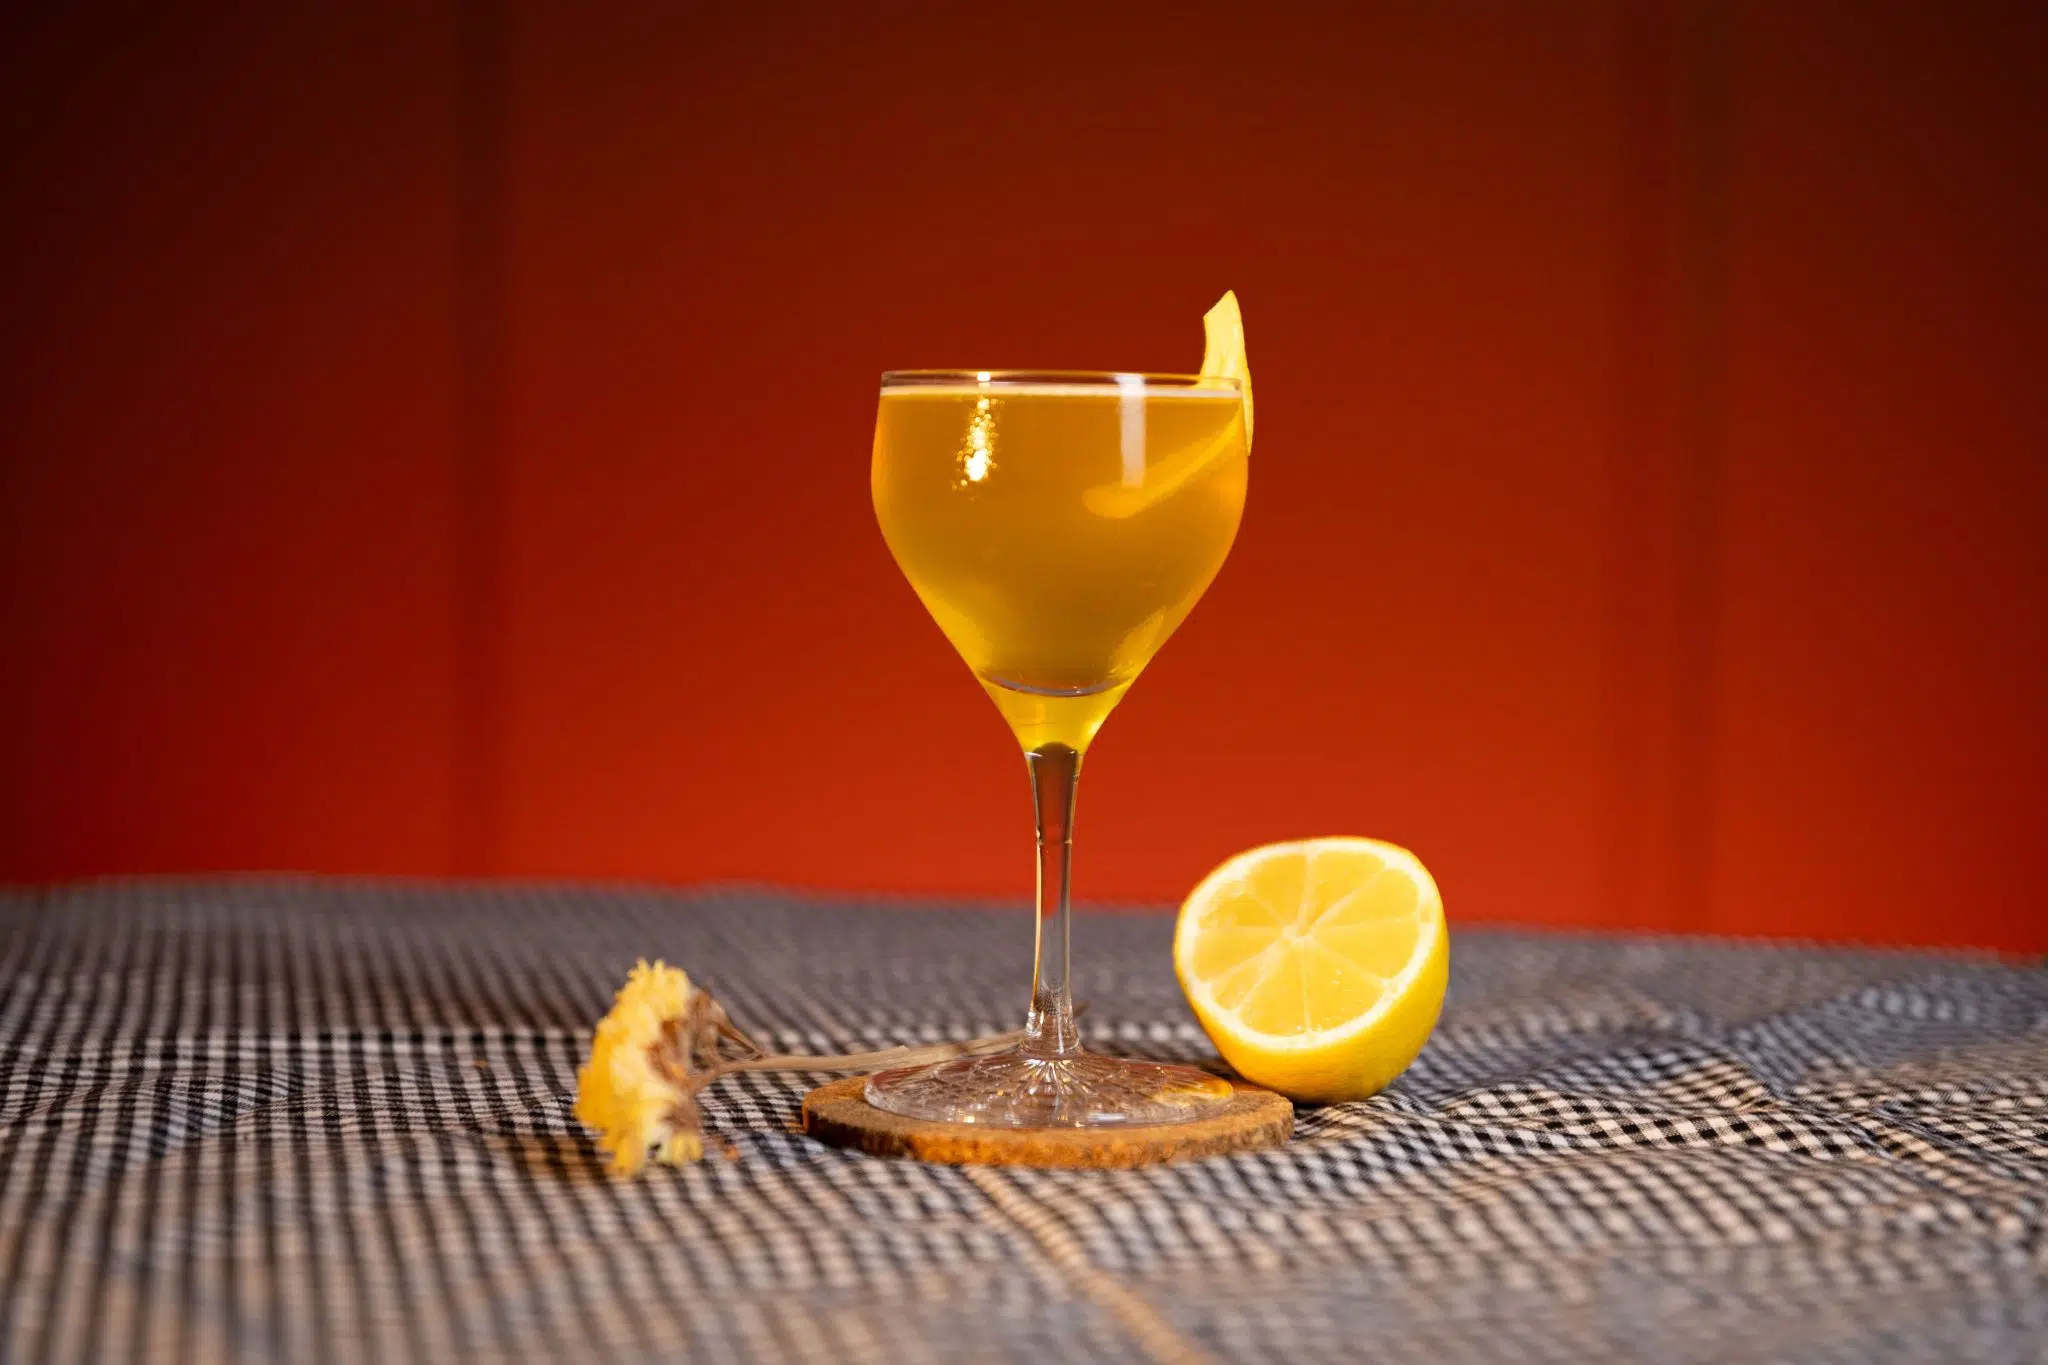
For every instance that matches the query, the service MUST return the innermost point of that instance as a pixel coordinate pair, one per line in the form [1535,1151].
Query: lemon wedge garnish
[1222,358]
[1317,968]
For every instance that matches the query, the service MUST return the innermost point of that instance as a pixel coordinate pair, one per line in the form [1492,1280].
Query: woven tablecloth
[306,1120]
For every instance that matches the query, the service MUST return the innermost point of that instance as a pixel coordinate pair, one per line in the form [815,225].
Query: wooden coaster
[838,1114]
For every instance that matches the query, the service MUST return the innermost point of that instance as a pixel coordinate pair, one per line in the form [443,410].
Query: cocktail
[1059,527]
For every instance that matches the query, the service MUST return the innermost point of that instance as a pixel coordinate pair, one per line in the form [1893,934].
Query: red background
[436,436]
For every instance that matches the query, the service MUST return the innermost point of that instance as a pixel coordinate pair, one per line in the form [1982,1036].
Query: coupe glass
[1058,526]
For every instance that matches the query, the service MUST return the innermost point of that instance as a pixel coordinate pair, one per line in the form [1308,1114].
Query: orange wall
[435,442]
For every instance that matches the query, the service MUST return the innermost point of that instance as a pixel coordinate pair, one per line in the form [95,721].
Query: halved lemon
[1318,968]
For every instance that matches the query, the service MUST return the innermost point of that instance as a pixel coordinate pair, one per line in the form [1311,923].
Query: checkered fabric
[311,1121]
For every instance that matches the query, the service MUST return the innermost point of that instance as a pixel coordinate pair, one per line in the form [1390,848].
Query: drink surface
[1058,534]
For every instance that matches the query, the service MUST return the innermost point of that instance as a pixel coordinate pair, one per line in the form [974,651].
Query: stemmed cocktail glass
[1059,527]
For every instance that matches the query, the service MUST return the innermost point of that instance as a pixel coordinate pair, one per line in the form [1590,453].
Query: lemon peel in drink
[1223,351]
[1223,357]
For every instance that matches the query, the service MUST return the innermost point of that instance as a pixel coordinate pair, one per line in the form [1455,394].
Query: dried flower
[664,1040]
[626,1093]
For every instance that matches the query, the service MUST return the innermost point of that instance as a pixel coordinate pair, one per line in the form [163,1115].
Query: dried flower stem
[923,1055]
[701,1044]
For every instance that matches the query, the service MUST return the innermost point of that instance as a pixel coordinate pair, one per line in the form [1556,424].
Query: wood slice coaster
[839,1114]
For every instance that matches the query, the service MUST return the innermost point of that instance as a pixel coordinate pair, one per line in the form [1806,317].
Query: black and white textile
[308,1121]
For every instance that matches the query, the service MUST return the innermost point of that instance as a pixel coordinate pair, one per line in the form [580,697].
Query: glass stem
[1049,1031]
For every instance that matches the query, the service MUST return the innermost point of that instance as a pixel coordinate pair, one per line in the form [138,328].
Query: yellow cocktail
[1035,519]
[1059,527]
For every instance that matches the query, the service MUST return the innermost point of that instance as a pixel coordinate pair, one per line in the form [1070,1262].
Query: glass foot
[1075,1090]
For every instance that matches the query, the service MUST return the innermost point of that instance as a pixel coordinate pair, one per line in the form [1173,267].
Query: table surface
[309,1120]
